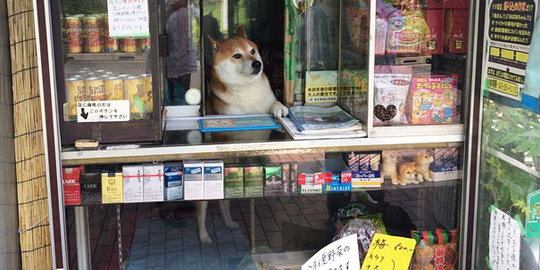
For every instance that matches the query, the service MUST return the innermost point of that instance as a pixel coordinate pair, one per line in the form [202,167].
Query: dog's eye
[237,56]
[252,51]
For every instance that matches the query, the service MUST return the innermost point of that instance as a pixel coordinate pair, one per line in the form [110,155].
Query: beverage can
[114,88]
[74,34]
[75,92]
[134,91]
[92,42]
[95,88]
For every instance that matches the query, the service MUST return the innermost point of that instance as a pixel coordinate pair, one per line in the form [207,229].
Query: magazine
[318,118]
[350,132]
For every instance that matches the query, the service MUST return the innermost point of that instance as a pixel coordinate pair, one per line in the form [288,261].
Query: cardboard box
[133,184]
[253,181]
[213,180]
[435,22]
[71,179]
[234,182]
[449,4]
[446,164]
[273,181]
[456,30]
[193,180]
[112,190]
[90,188]
[174,181]
[154,183]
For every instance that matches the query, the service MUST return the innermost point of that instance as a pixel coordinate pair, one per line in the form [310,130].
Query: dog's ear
[215,42]
[241,32]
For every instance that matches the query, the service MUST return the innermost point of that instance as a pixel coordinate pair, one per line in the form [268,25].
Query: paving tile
[292,209]
[269,225]
[263,211]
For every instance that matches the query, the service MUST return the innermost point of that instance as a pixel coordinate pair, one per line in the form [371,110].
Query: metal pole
[82,236]
[10,256]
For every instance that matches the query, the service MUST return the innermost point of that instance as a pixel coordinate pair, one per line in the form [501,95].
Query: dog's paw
[279,110]
[233,225]
[205,238]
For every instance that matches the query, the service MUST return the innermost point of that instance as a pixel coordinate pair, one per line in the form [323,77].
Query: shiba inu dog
[238,84]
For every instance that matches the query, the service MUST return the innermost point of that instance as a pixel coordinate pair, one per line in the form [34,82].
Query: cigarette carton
[90,188]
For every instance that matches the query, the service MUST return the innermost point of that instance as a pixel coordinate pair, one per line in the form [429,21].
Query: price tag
[504,240]
[341,254]
[103,111]
[389,253]
[128,18]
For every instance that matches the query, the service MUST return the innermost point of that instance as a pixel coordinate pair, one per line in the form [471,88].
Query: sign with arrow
[103,111]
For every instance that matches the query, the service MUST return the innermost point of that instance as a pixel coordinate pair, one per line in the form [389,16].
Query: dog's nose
[256,64]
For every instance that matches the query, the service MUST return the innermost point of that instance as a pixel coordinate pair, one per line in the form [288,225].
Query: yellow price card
[389,253]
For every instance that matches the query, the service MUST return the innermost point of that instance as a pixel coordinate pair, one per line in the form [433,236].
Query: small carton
[153,183]
[306,184]
[294,178]
[90,188]
[336,185]
[446,164]
[213,180]
[72,185]
[112,190]
[253,181]
[193,180]
[133,184]
[174,181]
[234,182]
[273,181]
[435,22]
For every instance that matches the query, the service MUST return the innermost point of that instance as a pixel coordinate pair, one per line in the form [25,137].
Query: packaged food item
[391,88]
[93,41]
[384,10]
[71,179]
[407,31]
[153,183]
[174,181]
[114,88]
[431,100]
[133,183]
[234,182]
[456,30]
[435,22]
[213,180]
[74,34]
[112,188]
[75,92]
[357,24]
[95,89]
[193,180]
[435,250]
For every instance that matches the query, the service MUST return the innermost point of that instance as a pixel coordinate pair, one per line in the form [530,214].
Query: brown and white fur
[238,86]
[389,166]
[422,161]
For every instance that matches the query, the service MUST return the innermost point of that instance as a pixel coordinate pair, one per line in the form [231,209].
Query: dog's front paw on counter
[279,110]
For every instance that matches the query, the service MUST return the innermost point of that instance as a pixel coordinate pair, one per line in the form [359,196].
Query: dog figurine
[407,173]
[389,166]
[422,160]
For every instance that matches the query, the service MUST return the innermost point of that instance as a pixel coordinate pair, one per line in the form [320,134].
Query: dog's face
[407,171]
[237,60]
[424,157]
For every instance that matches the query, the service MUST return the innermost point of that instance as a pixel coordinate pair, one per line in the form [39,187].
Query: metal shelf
[155,153]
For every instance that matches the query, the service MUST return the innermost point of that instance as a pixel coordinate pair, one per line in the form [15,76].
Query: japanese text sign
[103,111]
[339,255]
[128,18]
[504,241]
[389,253]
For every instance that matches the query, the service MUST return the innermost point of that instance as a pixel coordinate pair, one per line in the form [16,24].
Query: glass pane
[421,55]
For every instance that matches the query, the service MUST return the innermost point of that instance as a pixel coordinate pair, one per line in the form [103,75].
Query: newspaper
[318,118]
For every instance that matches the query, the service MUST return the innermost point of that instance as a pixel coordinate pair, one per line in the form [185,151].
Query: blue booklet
[237,122]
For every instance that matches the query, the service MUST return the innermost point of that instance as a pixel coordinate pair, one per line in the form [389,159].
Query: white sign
[103,111]
[128,18]
[341,254]
[504,241]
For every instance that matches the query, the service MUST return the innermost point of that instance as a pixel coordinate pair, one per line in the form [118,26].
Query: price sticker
[389,253]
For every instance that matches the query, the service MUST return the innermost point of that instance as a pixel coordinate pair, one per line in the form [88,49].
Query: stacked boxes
[213,180]
[193,180]
[153,183]
[365,170]
[133,183]
[174,181]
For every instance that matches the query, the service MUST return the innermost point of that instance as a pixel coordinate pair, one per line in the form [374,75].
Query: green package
[234,182]
[253,181]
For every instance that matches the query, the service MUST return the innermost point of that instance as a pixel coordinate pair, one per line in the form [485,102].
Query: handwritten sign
[504,241]
[128,18]
[339,255]
[508,41]
[389,253]
[103,111]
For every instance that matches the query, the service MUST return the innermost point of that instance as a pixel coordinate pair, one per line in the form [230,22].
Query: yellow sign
[389,253]
[112,188]
[503,86]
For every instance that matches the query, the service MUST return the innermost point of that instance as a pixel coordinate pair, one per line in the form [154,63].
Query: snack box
[213,180]
[435,22]
[306,184]
[90,188]
[234,182]
[273,180]
[112,188]
[154,183]
[446,164]
[253,181]
[133,183]
[71,179]
[193,180]
[174,181]
[431,100]
[456,27]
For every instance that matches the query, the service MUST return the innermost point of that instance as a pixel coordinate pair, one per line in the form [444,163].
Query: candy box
[456,27]
[435,22]
[234,182]
[71,179]
[431,100]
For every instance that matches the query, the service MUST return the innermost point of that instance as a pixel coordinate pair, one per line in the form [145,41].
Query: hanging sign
[341,254]
[509,30]
[128,18]
[504,241]
[103,111]
[389,252]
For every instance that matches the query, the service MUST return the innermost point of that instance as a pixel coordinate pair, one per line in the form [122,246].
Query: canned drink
[144,44]
[75,92]
[129,45]
[134,91]
[93,42]
[95,89]
[148,97]
[74,34]
[114,88]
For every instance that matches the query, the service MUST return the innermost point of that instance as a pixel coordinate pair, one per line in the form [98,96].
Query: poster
[504,241]
[128,18]
[509,29]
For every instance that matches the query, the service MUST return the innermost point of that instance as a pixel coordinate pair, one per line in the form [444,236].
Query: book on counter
[310,118]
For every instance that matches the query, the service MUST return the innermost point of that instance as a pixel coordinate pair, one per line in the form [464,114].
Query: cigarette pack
[306,184]
[133,184]
[213,180]
[286,173]
[71,178]
[112,188]
[193,180]
[294,178]
[234,182]
[90,188]
[153,183]
[174,181]
[273,180]
[253,181]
